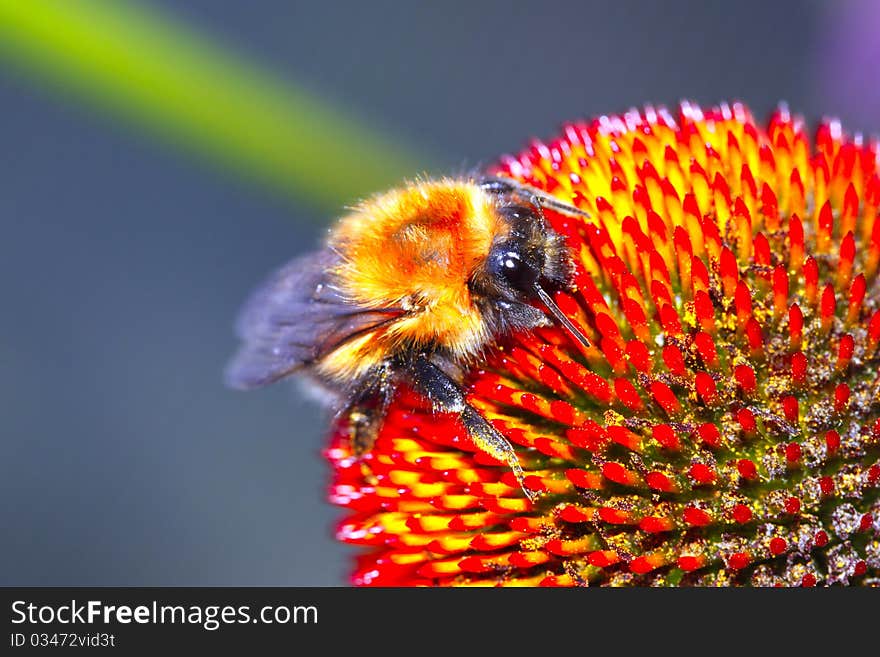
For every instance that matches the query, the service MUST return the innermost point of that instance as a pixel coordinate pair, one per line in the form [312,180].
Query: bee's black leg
[447,396]
[367,406]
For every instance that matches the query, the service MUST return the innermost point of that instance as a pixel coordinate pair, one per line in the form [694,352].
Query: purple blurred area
[123,262]
[846,63]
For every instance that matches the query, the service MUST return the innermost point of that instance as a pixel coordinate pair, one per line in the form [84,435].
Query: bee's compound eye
[510,262]
[517,273]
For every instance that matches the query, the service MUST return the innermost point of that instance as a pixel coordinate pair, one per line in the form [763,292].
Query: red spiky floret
[723,428]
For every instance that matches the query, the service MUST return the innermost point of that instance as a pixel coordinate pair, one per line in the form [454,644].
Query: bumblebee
[412,286]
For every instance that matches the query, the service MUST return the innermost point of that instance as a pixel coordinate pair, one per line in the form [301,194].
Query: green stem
[148,69]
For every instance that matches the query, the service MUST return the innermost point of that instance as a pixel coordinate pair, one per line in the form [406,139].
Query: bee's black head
[526,260]
[529,254]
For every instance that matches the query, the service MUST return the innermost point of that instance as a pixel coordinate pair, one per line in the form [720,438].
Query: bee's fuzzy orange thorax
[415,248]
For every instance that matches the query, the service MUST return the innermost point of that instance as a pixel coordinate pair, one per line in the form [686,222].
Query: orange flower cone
[723,427]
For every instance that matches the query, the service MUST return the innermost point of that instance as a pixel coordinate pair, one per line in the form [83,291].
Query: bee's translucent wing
[295,318]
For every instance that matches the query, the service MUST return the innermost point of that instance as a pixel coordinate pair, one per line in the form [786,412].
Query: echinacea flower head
[721,429]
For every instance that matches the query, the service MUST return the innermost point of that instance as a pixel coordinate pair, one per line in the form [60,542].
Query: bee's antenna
[539,198]
[547,201]
[561,318]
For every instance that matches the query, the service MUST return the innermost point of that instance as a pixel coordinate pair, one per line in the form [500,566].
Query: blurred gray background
[123,261]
